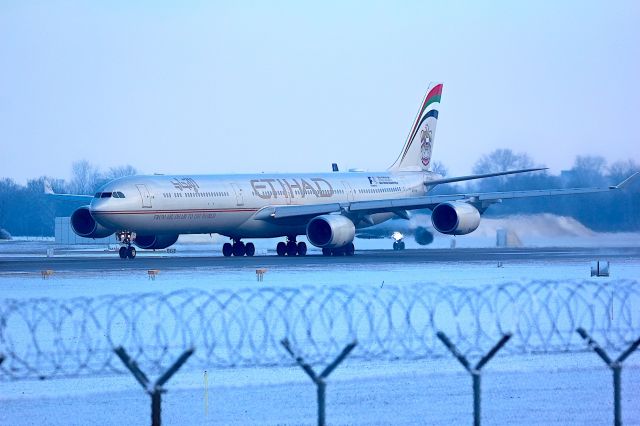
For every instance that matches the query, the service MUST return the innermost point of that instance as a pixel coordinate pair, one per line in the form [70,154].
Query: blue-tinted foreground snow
[548,389]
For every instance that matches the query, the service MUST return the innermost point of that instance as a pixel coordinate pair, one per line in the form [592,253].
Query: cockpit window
[114,194]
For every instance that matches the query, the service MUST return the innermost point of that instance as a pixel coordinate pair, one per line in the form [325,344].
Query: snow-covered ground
[569,388]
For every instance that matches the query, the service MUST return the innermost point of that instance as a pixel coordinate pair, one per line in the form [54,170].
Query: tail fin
[416,153]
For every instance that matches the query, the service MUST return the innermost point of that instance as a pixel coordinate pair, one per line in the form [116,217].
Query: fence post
[156,389]
[319,380]
[474,371]
[616,368]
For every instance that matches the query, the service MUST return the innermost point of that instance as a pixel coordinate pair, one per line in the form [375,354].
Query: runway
[104,261]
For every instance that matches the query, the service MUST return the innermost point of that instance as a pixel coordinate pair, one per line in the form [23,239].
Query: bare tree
[501,160]
[622,169]
[439,168]
[85,177]
[120,171]
[588,170]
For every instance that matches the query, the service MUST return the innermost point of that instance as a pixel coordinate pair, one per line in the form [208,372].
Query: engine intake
[84,225]
[155,242]
[330,231]
[455,218]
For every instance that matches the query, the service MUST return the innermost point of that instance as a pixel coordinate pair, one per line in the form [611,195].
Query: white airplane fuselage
[226,204]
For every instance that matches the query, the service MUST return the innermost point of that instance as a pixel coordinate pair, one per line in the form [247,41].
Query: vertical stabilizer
[416,152]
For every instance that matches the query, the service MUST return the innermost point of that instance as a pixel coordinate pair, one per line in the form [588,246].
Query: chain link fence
[45,338]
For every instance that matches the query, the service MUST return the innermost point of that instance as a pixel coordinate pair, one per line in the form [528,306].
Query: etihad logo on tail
[426,137]
[425,145]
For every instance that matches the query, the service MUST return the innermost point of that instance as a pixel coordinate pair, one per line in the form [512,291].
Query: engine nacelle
[84,225]
[455,218]
[155,242]
[330,231]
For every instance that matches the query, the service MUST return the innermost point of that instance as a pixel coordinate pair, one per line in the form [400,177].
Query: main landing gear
[291,248]
[127,251]
[238,249]
[347,250]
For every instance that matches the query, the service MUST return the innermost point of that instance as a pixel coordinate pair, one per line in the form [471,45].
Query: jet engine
[155,242]
[423,236]
[84,225]
[455,218]
[330,231]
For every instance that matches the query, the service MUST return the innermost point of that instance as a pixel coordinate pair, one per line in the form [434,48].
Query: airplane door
[145,195]
[238,191]
[348,190]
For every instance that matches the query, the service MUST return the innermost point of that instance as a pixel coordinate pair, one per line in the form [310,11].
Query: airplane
[151,211]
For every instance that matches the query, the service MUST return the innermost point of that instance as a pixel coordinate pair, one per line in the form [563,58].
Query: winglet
[625,182]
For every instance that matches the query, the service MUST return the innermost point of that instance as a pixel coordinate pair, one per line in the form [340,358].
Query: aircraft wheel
[131,252]
[227,249]
[302,249]
[250,249]
[401,245]
[337,251]
[281,248]
[326,252]
[123,252]
[292,248]
[349,249]
[395,245]
[239,249]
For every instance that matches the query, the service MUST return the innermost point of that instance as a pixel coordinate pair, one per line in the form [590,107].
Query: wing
[480,200]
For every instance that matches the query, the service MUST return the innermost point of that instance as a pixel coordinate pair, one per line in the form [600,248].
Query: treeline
[27,211]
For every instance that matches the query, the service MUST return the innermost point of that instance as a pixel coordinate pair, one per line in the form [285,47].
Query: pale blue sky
[222,87]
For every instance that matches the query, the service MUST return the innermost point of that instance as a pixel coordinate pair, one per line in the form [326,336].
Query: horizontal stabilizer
[482,176]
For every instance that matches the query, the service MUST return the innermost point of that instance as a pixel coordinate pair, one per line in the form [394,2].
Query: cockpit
[111,194]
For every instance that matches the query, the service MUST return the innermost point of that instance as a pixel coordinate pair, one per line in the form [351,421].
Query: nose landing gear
[127,251]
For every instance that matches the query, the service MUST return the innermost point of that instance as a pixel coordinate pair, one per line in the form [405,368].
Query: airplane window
[106,195]
[97,195]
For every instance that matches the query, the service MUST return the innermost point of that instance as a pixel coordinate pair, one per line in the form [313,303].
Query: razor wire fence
[44,338]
